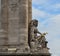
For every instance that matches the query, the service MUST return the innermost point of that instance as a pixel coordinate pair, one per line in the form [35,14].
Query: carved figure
[35,40]
[33,29]
[42,40]
[33,34]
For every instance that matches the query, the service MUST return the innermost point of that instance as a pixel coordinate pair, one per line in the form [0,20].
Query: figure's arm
[39,32]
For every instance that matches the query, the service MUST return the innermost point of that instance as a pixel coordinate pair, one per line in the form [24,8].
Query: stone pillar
[15,23]
[29,18]
[23,24]
[0,14]
[4,21]
[29,10]
[4,14]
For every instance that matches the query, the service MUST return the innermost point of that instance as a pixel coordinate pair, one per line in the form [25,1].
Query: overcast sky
[47,12]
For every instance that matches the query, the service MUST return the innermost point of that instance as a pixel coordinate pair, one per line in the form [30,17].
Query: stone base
[25,54]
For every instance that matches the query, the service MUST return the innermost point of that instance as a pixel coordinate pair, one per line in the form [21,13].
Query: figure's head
[35,22]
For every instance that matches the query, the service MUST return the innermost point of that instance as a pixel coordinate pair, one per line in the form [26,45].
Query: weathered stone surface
[16,16]
[3,37]
[15,21]
[29,10]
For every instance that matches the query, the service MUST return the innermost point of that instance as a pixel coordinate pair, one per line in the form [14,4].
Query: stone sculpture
[42,40]
[35,40]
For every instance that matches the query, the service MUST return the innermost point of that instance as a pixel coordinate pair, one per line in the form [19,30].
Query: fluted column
[15,22]
[29,10]
[16,15]
[4,22]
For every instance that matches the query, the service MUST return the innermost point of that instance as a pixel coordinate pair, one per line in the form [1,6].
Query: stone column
[15,23]
[29,18]
[29,10]
[23,21]
[4,14]
[0,14]
[4,22]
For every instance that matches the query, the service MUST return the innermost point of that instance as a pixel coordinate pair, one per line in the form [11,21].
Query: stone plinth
[18,54]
